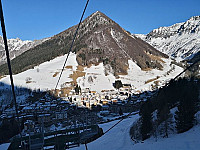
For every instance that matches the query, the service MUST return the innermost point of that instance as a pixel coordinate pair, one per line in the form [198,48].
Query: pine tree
[118,84]
[146,120]
[187,106]
[77,89]
[166,118]
[163,111]
[120,111]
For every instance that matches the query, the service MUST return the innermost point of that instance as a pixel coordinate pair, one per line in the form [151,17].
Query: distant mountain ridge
[100,39]
[181,40]
[16,47]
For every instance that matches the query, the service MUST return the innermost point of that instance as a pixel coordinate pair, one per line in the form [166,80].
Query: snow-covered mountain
[16,47]
[181,40]
[103,52]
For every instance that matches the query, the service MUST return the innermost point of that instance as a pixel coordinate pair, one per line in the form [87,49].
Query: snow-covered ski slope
[4,146]
[119,139]
[116,139]
[45,75]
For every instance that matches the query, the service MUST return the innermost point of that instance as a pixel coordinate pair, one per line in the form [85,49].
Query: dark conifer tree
[118,84]
[163,111]
[187,106]
[77,89]
[146,120]
[120,111]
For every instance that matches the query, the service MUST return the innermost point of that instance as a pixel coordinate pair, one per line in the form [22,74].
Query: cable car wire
[70,49]
[9,64]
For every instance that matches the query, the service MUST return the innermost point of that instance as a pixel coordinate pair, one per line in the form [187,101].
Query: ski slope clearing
[119,139]
[116,139]
[145,80]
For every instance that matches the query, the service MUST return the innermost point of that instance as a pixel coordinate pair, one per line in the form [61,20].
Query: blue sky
[36,19]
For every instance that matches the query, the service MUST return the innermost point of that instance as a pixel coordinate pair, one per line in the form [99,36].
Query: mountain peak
[97,12]
[98,18]
[195,18]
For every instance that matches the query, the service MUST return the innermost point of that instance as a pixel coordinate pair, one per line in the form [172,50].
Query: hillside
[180,41]
[100,39]
[95,77]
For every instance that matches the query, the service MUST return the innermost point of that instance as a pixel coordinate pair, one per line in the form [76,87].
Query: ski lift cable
[9,64]
[70,49]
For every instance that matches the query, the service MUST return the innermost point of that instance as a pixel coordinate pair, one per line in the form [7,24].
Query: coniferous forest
[157,117]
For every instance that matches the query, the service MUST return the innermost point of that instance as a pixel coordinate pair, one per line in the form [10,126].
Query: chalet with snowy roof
[28,109]
[61,115]
[9,112]
[29,124]
[104,110]
[44,118]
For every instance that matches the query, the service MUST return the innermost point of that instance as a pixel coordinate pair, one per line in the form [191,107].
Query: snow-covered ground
[95,79]
[185,141]
[41,77]
[46,75]
[140,78]
[116,139]
[4,146]
[119,139]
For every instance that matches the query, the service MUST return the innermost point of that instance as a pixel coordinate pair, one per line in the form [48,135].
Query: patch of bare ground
[65,91]
[55,92]
[78,73]
[68,67]
[2,77]
[28,82]
[147,69]
[155,85]
[80,68]
[151,80]
[55,74]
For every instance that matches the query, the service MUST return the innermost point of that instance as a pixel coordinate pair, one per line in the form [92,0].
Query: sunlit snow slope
[46,75]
